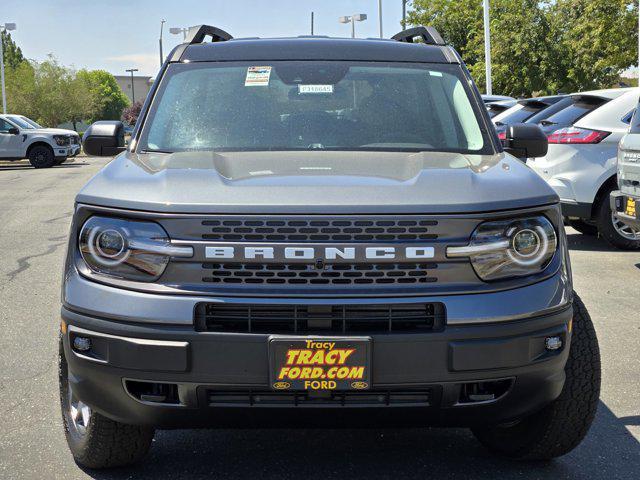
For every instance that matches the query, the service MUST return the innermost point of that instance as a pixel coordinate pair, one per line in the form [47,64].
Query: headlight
[61,140]
[128,249]
[510,248]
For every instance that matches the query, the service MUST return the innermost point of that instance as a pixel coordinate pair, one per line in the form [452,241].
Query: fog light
[553,343]
[82,344]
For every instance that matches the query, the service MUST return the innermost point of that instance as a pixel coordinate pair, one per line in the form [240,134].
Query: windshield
[313,105]
[19,121]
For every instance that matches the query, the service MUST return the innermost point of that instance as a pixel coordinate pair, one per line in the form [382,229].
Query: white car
[581,162]
[21,137]
[496,98]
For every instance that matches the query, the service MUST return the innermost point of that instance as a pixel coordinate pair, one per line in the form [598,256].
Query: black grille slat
[338,274]
[258,318]
[384,398]
[289,230]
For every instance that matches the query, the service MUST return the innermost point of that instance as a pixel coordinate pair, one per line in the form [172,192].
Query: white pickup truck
[21,137]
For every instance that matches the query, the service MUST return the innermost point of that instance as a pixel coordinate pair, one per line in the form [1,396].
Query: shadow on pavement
[609,451]
[13,168]
[588,243]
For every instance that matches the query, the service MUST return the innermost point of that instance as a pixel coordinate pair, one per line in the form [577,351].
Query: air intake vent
[269,319]
[421,397]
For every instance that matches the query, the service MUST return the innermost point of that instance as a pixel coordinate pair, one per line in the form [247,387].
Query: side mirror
[13,131]
[525,140]
[104,138]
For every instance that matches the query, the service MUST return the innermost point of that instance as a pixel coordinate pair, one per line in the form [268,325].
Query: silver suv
[318,231]
[625,201]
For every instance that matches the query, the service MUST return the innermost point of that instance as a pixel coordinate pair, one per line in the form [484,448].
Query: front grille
[258,398]
[239,276]
[302,319]
[308,274]
[75,140]
[319,230]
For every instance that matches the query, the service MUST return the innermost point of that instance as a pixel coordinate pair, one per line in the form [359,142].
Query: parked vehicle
[495,98]
[346,244]
[625,201]
[524,111]
[21,138]
[494,108]
[581,162]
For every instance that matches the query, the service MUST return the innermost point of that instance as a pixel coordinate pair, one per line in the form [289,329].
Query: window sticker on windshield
[257,76]
[315,88]
[435,74]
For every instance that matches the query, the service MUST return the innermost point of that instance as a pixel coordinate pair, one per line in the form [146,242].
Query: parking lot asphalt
[36,208]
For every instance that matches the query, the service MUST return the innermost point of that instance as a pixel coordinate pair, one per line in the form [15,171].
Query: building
[141,86]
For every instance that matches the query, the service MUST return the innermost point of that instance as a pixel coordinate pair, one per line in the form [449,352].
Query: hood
[53,131]
[316,182]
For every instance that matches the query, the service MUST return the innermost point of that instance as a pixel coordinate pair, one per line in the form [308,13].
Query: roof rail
[198,33]
[429,35]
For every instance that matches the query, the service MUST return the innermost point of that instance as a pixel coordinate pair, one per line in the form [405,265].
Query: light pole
[133,92]
[162,22]
[178,31]
[404,14]
[358,17]
[4,28]
[487,46]
[380,16]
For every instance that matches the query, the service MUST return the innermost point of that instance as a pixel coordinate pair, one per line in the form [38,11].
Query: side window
[5,126]
[635,121]
[627,118]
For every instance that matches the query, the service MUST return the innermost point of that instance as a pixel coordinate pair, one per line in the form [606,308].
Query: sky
[118,34]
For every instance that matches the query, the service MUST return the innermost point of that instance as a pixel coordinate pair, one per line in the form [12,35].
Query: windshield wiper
[547,123]
[155,151]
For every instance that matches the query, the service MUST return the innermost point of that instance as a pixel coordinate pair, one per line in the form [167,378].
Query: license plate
[631,207]
[320,363]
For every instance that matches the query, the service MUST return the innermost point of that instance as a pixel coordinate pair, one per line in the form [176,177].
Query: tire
[583,227]
[100,442]
[612,229]
[41,157]
[60,161]
[560,426]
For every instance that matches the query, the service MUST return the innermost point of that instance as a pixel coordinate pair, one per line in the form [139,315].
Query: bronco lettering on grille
[283,252]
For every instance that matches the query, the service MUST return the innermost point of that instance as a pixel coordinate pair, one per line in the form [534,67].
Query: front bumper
[202,365]
[618,201]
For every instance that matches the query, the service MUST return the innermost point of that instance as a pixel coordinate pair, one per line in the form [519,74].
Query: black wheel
[41,157]
[583,227]
[560,426]
[94,440]
[612,229]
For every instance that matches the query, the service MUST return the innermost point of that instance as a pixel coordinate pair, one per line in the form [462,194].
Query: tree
[12,54]
[108,99]
[539,46]
[131,114]
[597,40]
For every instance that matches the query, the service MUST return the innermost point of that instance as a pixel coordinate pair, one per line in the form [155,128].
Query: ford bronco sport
[310,232]
[624,202]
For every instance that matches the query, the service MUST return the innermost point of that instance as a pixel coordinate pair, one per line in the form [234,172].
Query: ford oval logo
[281,385]
[359,385]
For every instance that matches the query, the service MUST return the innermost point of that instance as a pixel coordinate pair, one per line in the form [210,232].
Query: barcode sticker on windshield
[257,76]
[315,88]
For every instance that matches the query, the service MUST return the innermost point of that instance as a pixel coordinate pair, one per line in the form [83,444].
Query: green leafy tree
[596,40]
[539,46]
[108,100]
[12,54]
[21,90]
